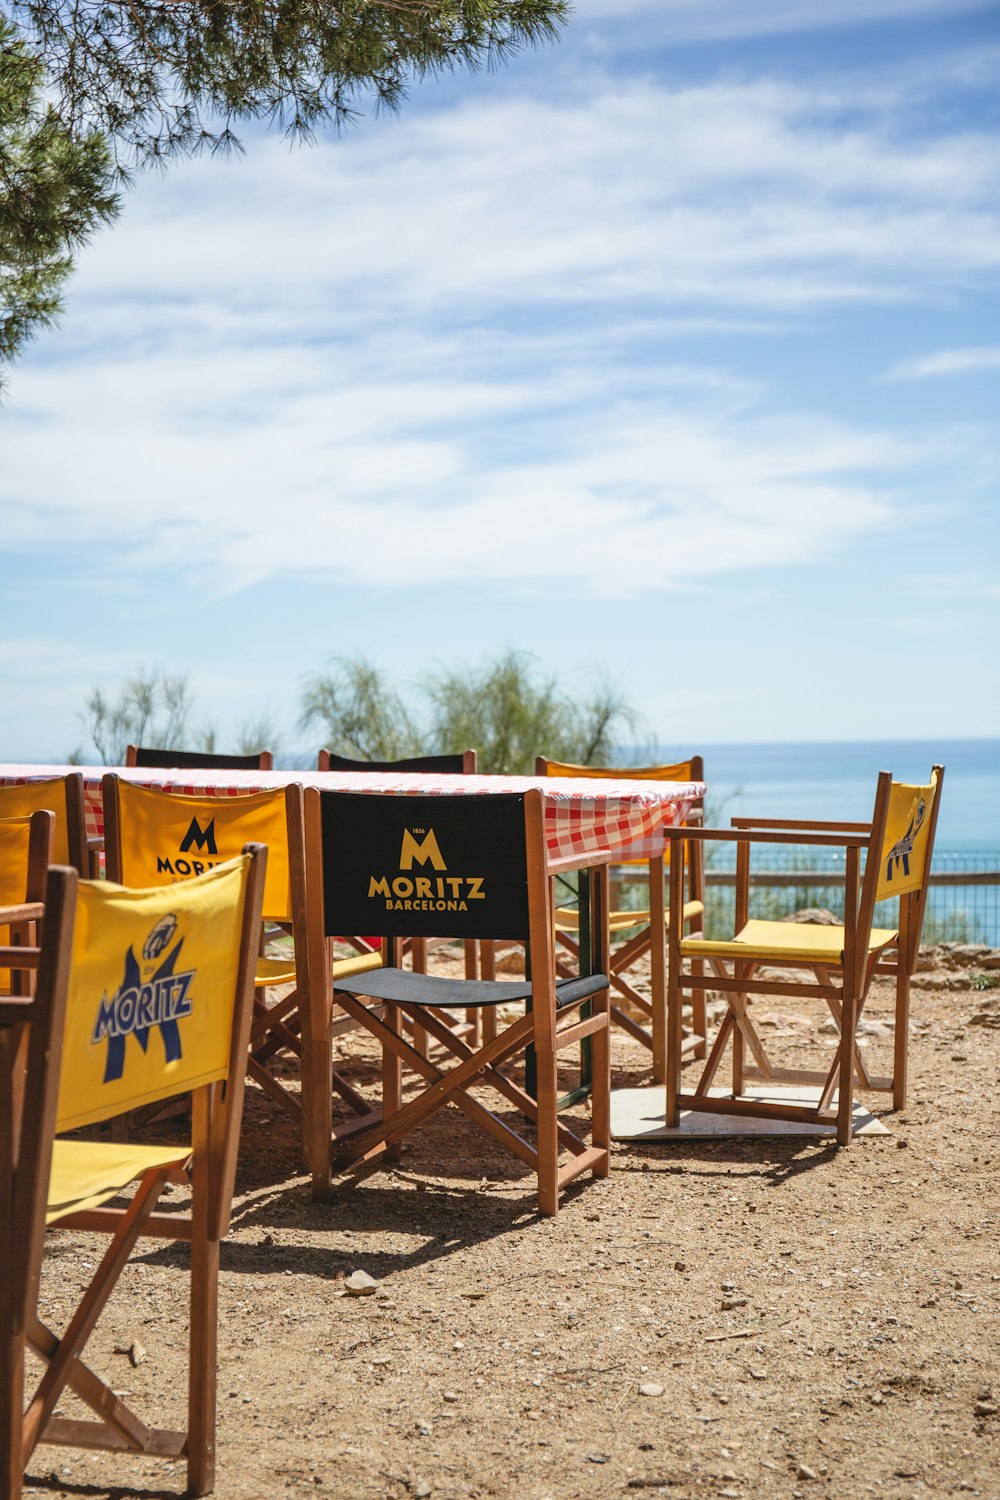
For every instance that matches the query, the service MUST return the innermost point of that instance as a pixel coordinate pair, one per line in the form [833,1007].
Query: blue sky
[669,352]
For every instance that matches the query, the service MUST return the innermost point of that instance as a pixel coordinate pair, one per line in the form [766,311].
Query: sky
[668,353]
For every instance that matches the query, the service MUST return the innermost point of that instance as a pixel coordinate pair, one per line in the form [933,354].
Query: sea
[837,780]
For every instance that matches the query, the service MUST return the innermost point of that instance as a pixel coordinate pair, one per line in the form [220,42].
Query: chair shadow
[776,1160]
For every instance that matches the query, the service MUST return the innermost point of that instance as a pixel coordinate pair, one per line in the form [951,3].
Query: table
[586,822]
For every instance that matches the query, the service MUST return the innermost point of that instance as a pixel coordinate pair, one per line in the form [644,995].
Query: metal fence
[963,903]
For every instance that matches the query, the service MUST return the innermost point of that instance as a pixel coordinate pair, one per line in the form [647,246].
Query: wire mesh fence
[963,903]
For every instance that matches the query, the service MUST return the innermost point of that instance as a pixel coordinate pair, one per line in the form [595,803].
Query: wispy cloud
[946,362]
[250,392]
[718,20]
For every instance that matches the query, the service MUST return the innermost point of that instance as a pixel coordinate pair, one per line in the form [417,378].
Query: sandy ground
[810,1322]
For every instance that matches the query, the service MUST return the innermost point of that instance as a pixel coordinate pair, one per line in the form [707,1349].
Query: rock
[804,1472]
[729,1303]
[421,1489]
[874,1028]
[451,1395]
[424,1427]
[989,1018]
[758,1374]
[680,1265]
[136,1352]
[986,1408]
[992,962]
[829,1027]
[360,1284]
[598,1458]
[968,953]
[818,915]
[650,1388]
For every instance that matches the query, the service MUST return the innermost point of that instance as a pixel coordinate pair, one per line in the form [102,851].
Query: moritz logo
[439,892]
[201,839]
[147,997]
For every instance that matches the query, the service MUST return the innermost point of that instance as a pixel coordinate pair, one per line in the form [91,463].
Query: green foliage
[983,982]
[504,709]
[161,78]
[153,709]
[360,715]
[56,187]
[511,714]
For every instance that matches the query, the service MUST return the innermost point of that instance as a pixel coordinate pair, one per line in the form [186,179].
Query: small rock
[680,1265]
[728,1303]
[424,1428]
[986,1409]
[901,1145]
[985,1018]
[650,1388]
[451,1395]
[817,915]
[758,1374]
[136,1352]
[598,1458]
[360,1284]
[804,1472]
[421,1489]
[829,1027]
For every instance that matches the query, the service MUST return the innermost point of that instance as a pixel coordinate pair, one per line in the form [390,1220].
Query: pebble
[728,1303]
[804,1472]
[758,1374]
[986,1408]
[422,1489]
[680,1265]
[424,1428]
[360,1284]
[598,1458]
[650,1388]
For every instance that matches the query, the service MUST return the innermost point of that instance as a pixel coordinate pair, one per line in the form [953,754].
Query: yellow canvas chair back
[157,838]
[25,854]
[907,839]
[63,797]
[151,993]
[682,770]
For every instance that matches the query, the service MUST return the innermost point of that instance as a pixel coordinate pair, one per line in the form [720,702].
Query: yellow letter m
[420,850]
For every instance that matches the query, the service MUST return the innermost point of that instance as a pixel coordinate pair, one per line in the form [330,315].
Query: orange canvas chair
[145,994]
[405,866]
[158,838]
[633,929]
[843,960]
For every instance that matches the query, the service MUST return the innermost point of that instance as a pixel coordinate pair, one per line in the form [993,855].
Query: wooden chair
[157,838]
[633,929]
[196,760]
[192,947]
[462,764]
[25,856]
[63,797]
[843,960]
[406,866]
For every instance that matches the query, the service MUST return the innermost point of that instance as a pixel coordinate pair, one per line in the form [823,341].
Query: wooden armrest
[839,825]
[747,836]
[29,911]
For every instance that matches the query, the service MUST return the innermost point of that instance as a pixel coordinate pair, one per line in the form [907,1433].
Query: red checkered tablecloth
[582,817]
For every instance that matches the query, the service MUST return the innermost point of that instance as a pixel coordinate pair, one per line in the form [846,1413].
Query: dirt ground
[808,1321]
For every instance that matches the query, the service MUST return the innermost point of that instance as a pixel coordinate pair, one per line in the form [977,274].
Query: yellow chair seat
[268,971]
[790,942]
[568,918]
[343,968]
[87,1173]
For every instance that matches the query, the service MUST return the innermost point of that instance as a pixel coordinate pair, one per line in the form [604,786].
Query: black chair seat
[404,987]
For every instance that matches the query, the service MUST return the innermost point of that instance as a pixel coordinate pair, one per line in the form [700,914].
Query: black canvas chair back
[420,866]
[463,764]
[196,760]
[474,866]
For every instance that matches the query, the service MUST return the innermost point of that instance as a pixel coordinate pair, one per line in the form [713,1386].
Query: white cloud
[946,362]
[448,340]
[716,20]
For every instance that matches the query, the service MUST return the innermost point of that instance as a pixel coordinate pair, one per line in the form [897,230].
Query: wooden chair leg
[845,1095]
[548,1134]
[11,1406]
[392,1075]
[699,1017]
[202,1375]
[901,1042]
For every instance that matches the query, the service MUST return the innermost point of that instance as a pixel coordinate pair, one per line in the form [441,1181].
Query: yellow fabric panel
[40,796]
[568,918]
[274,971]
[343,968]
[680,772]
[151,992]
[167,838]
[15,836]
[790,941]
[904,848]
[86,1174]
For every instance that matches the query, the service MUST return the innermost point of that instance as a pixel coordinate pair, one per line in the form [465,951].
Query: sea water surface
[837,780]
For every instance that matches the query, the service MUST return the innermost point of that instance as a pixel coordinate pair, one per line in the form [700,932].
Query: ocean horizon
[836,779]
